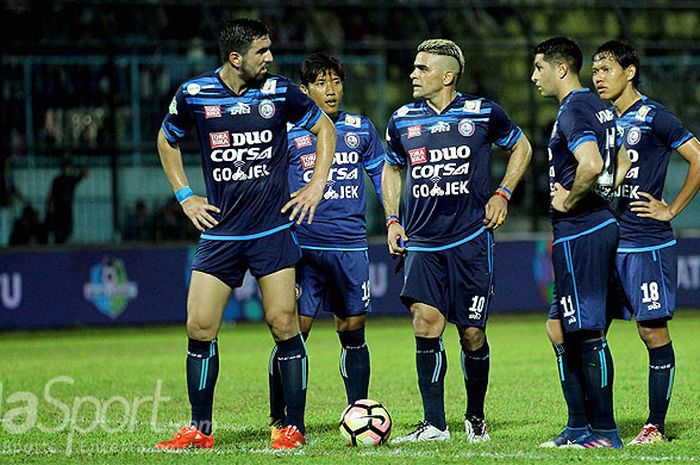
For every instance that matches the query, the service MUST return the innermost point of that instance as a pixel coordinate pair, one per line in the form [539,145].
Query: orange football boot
[188,436]
[290,438]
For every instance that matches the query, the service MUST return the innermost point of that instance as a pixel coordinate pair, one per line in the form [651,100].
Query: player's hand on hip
[304,201]
[197,210]
[396,238]
[495,212]
[559,195]
[651,208]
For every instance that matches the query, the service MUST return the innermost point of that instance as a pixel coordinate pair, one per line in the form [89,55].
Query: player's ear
[304,89]
[562,69]
[631,71]
[448,78]
[235,59]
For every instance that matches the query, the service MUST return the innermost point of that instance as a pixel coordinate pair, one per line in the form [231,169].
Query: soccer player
[646,256]
[333,273]
[444,139]
[241,115]
[584,167]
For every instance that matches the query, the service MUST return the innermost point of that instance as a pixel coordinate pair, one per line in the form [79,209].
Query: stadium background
[90,83]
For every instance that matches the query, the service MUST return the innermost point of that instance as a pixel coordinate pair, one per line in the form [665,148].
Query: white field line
[48,450]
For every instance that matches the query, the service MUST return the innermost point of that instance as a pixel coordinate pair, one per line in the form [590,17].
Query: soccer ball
[365,423]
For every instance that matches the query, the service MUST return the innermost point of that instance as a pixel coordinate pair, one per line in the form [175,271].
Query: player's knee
[350,323]
[653,334]
[472,338]
[200,329]
[282,324]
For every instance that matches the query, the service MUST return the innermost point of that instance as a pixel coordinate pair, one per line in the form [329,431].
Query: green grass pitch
[102,381]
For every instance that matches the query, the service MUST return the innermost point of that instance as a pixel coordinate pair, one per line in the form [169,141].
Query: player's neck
[233,80]
[567,87]
[627,98]
[442,100]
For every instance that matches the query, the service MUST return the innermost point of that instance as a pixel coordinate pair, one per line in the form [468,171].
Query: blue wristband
[506,190]
[392,217]
[183,194]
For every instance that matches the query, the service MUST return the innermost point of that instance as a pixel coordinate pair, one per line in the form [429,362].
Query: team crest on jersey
[193,88]
[308,161]
[353,121]
[472,106]
[212,111]
[303,141]
[633,135]
[239,108]
[466,127]
[219,139]
[352,140]
[266,109]
[173,107]
[643,112]
[440,126]
[413,131]
[269,87]
[418,156]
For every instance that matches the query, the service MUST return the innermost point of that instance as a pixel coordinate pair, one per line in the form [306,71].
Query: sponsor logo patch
[472,106]
[352,140]
[173,107]
[193,88]
[303,141]
[414,131]
[212,111]
[352,121]
[643,112]
[418,156]
[219,139]
[308,161]
[466,127]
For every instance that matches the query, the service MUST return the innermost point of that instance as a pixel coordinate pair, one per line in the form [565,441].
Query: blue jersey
[339,220]
[582,117]
[243,140]
[650,133]
[448,160]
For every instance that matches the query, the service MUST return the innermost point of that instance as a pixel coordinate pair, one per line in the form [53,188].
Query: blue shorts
[457,281]
[644,284]
[583,266]
[334,281]
[229,260]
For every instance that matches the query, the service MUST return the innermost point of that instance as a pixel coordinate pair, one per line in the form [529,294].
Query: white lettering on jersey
[451,188]
[238,174]
[269,87]
[605,116]
[449,153]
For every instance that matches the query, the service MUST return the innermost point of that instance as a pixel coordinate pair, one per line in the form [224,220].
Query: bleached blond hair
[446,48]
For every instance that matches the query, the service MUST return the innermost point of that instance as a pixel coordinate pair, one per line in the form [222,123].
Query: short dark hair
[237,35]
[561,48]
[318,63]
[623,53]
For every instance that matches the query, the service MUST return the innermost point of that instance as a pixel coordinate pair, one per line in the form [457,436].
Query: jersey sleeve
[373,158]
[670,130]
[502,131]
[301,110]
[576,124]
[178,122]
[395,154]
